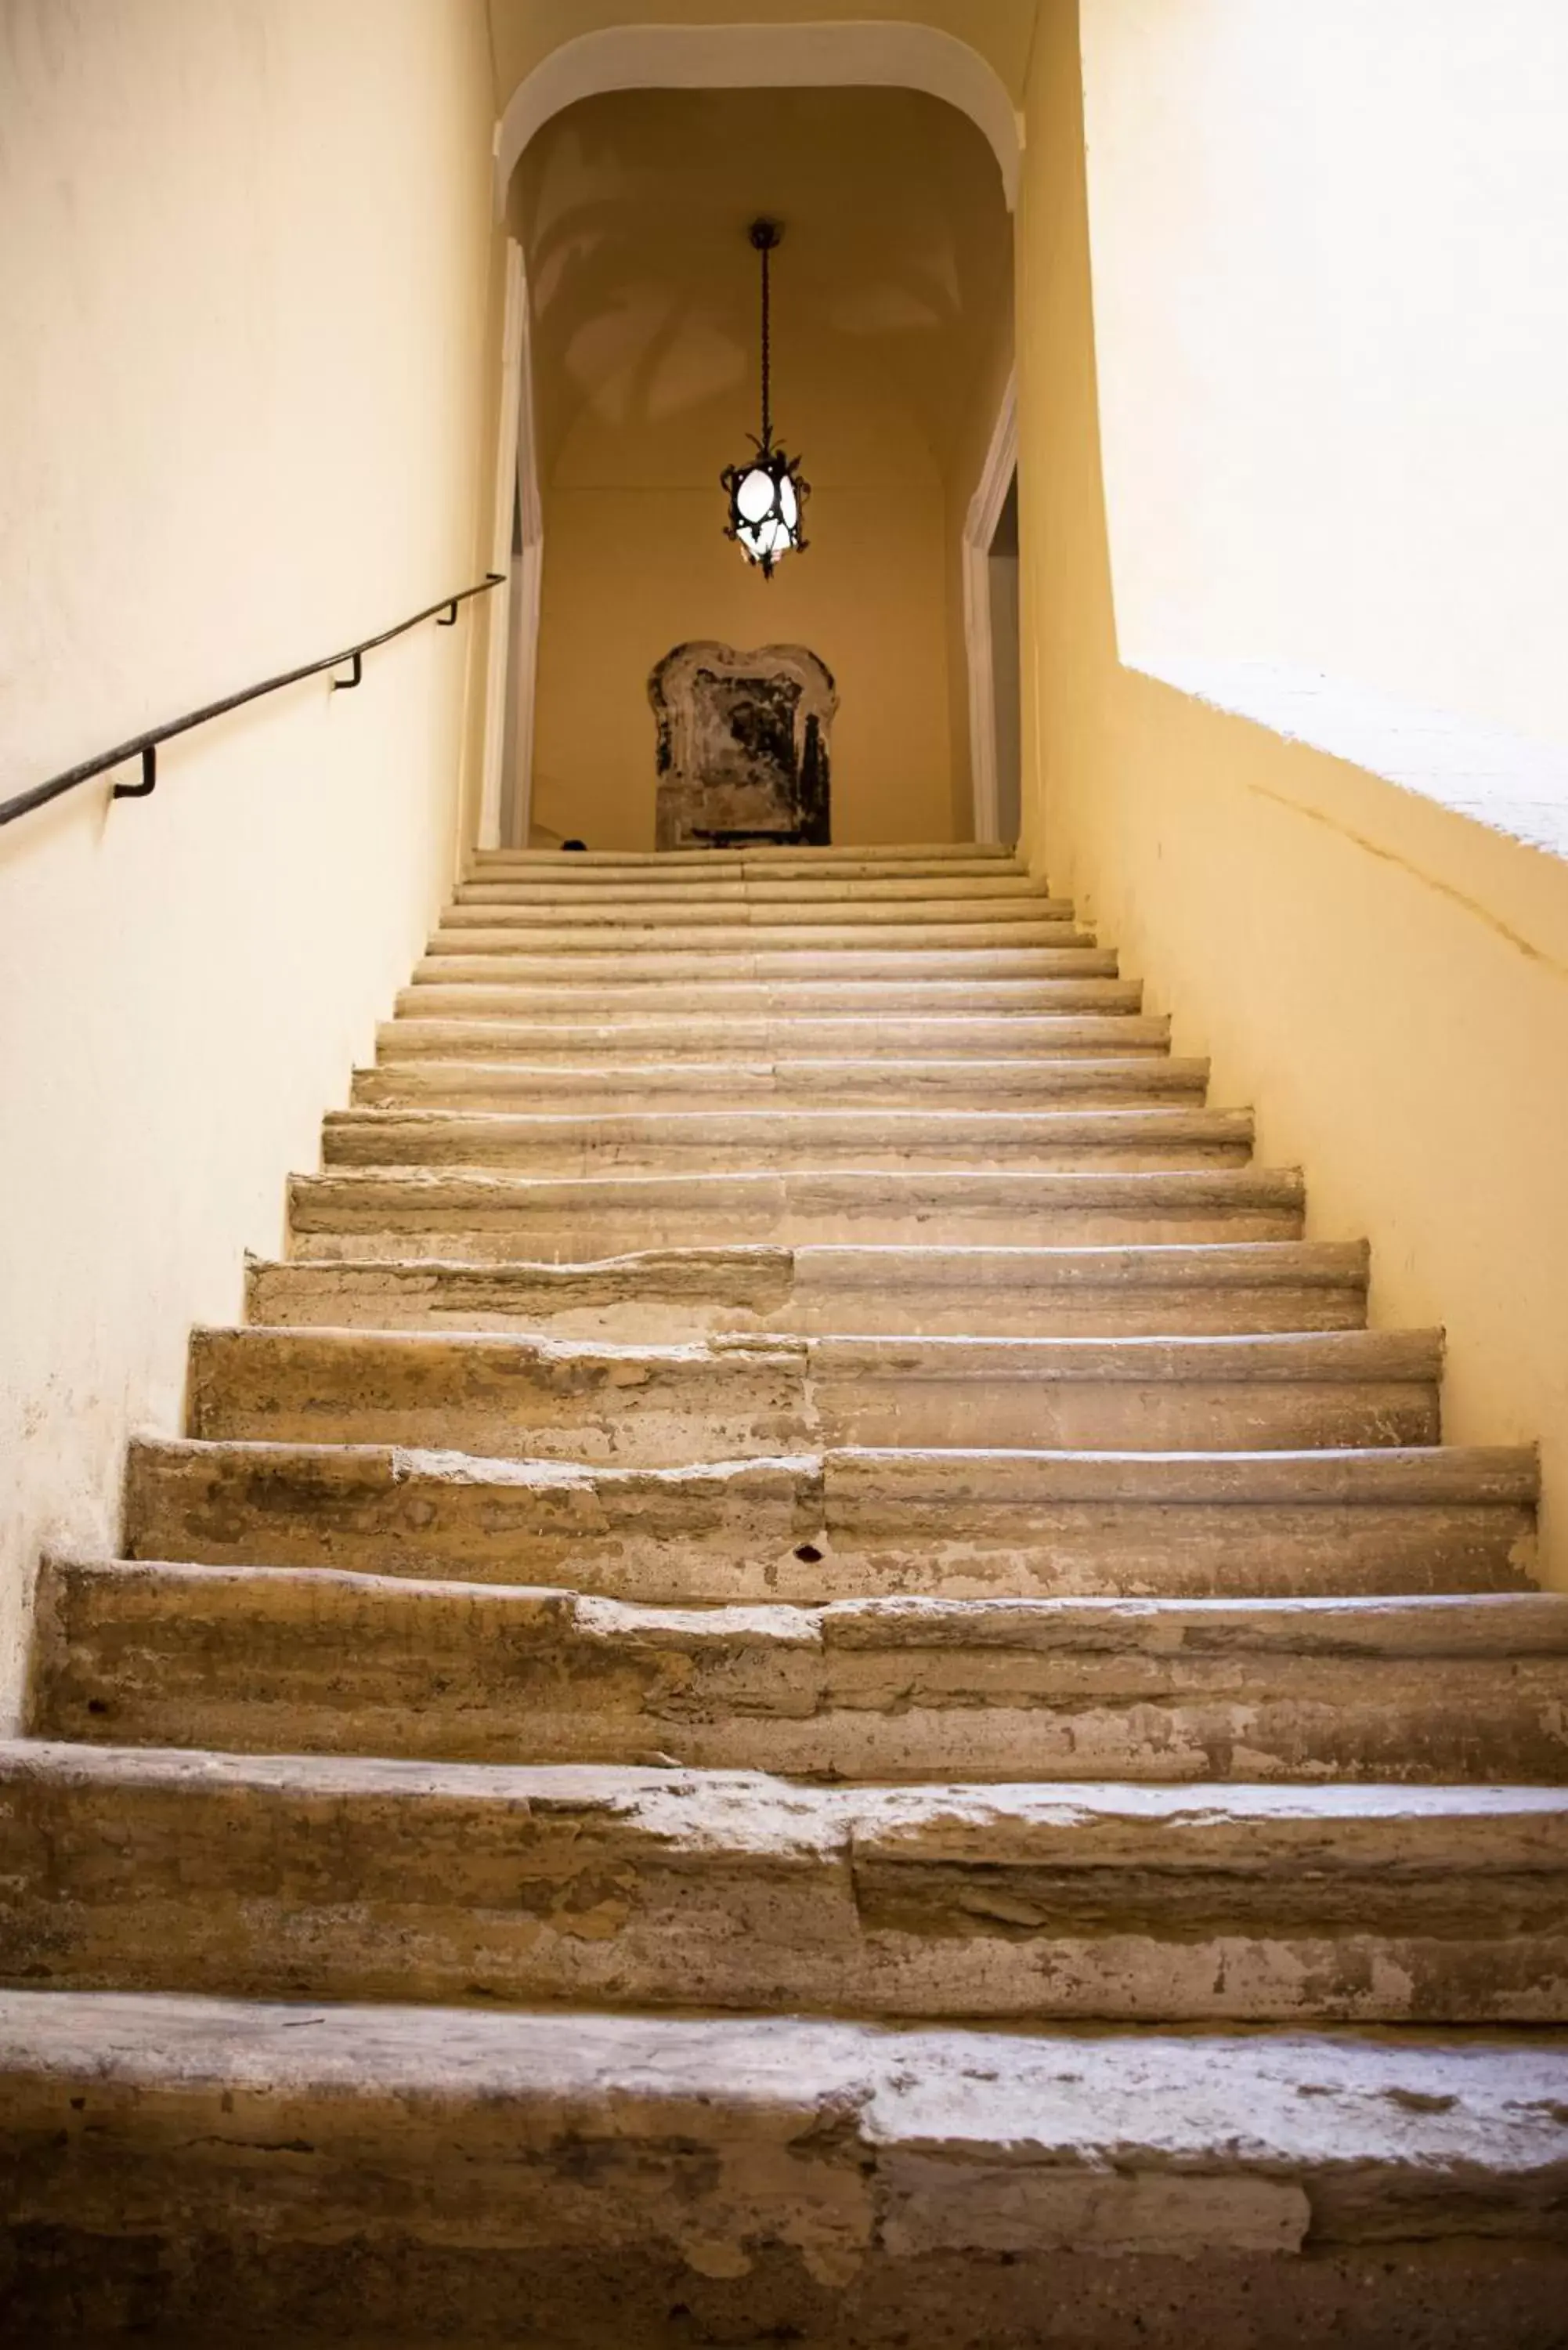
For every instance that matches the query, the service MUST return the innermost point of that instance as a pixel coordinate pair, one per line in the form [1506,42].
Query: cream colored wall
[1386,979]
[636,563]
[1335,238]
[243,281]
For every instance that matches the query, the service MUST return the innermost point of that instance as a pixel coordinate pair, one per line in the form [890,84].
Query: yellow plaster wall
[637,565]
[243,259]
[1330,251]
[1386,979]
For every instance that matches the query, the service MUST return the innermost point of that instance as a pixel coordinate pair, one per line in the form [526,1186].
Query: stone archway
[889,56]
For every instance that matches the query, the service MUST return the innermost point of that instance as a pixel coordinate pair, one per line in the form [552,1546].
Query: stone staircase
[804,1678]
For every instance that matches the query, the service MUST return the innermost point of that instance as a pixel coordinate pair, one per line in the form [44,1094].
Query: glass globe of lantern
[754,498]
[765,507]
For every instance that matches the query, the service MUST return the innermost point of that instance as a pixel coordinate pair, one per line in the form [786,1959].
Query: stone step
[742,1142]
[849,863]
[738,925]
[197,2170]
[487,1215]
[314,1877]
[296,1661]
[637,891]
[781,1044]
[627,1088]
[501,960]
[732,1005]
[507,1397]
[857,1524]
[683,1294]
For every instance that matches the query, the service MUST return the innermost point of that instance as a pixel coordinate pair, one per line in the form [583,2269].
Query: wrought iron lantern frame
[777,529]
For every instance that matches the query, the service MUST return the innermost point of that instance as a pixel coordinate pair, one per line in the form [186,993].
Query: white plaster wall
[1330,290]
[243,255]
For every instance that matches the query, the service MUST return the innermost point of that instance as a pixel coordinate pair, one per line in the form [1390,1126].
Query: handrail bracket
[149,777]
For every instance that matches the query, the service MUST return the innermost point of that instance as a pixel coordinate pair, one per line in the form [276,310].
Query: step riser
[755,858]
[697,1418]
[300,1664]
[748,1894]
[328,1229]
[1181,1138]
[608,868]
[604,951]
[1195,1416]
[504,1398]
[788,1043]
[353,2184]
[869,1088]
[743,930]
[838,900]
[734,1009]
[642,1412]
[639,1311]
[737,1536]
[499,1216]
[494,960]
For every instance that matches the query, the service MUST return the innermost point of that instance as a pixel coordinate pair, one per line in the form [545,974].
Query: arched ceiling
[896,266]
[524,32]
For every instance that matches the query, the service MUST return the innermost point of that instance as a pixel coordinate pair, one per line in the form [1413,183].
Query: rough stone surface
[501,1395]
[321,1876]
[313,1661]
[481,1214]
[793,1467]
[659,1141]
[851,1524]
[681,1293]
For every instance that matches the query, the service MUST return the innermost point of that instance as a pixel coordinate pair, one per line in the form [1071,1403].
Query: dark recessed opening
[808,1553]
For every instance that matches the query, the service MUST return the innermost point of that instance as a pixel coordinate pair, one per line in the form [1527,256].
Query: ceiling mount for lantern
[766,493]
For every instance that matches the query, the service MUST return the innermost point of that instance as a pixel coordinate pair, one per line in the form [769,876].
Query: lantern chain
[765,234]
[767,354]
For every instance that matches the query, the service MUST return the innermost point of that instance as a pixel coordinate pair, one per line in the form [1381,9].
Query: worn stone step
[488,1215]
[279,1660]
[679,1294]
[742,1140]
[262,1877]
[888,858]
[344,2179]
[857,1524]
[496,960]
[640,890]
[505,1397]
[631,1087]
[509,931]
[736,923]
[509,1397]
[731,1005]
[940,1035]
[1251,1394]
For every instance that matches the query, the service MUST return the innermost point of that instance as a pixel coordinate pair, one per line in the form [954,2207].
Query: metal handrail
[145,746]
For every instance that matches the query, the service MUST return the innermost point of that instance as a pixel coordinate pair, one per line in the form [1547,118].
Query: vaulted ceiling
[895,269]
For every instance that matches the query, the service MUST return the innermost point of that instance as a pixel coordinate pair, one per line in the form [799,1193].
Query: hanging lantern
[766,494]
